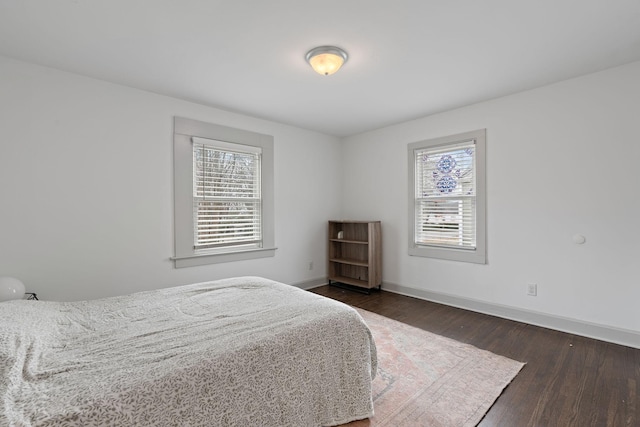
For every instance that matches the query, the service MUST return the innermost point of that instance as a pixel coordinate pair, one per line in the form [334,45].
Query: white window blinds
[227,201]
[445,196]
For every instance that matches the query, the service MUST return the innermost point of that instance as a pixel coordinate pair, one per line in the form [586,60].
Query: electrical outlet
[310,265]
[532,289]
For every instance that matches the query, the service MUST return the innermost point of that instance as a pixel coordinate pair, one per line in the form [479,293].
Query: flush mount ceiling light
[11,288]
[326,60]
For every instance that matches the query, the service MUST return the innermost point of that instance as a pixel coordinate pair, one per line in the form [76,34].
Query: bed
[235,352]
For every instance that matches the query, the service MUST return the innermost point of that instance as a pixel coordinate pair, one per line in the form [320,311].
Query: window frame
[479,254]
[185,254]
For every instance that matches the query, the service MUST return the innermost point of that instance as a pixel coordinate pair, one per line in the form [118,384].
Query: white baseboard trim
[611,334]
[311,283]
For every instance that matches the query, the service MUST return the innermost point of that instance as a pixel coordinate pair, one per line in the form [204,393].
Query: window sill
[216,258]
[477,256]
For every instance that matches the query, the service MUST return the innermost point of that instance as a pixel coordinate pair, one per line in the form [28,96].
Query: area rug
[424,379]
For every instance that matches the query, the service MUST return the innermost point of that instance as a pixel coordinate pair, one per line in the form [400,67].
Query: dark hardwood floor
[568,380]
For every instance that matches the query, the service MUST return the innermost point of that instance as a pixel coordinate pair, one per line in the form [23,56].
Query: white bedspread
[235,352]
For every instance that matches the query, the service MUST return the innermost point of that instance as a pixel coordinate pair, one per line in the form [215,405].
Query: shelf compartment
[356,231]
[356,273]
[349,281]
[350,261]
[346,250]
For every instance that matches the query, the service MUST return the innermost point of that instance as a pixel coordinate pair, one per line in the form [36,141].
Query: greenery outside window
[223,179]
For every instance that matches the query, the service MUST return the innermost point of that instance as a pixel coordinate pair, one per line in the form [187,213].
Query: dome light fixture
[326,60]
[11,288]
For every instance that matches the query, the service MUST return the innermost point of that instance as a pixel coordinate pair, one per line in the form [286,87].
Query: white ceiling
[408,58]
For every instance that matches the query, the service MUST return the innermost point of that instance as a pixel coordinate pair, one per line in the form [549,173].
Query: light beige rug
[425,379]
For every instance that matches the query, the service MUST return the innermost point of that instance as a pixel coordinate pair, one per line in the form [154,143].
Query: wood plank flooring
[568,380]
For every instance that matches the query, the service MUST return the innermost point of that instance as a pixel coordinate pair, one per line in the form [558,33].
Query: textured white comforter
[244,351]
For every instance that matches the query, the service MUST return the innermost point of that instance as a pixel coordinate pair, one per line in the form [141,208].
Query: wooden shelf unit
[355,253]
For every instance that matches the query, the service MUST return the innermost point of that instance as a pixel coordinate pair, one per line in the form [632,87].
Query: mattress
[236,352]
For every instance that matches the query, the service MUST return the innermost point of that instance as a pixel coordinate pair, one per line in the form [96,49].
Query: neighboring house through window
[223,188]
[447,202]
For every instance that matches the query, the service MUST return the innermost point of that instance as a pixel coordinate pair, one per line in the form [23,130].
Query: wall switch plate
[532,289]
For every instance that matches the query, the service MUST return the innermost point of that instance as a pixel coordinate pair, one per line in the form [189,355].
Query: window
[223,179]
[226,195]
[447,203]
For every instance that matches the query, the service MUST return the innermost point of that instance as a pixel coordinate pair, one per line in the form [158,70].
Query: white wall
[562,159]
[86,186]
